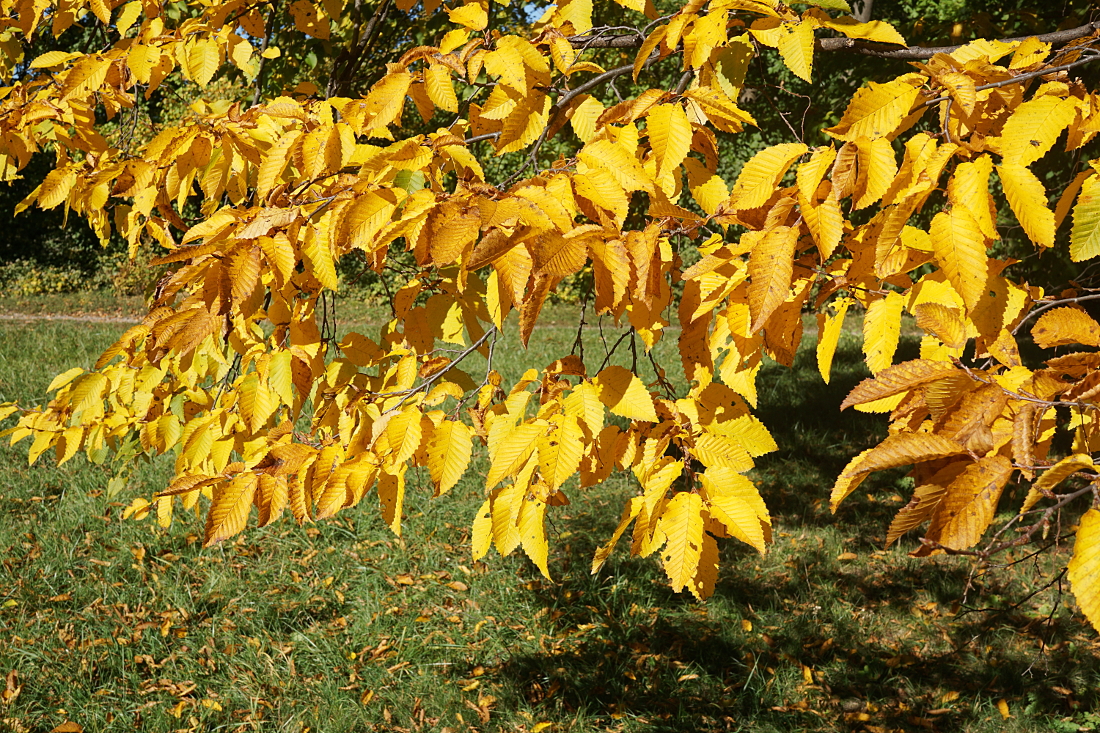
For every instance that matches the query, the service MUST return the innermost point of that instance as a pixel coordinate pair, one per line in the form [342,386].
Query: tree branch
[258,91]
[1024,77]
[348,61]
[918,53]
[851,45]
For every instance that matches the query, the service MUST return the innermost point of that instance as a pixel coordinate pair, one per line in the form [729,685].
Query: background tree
[482,155]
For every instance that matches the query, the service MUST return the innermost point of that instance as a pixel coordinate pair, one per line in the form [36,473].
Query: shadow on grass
[800,640]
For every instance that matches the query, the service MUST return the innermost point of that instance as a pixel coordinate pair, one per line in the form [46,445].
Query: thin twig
[1023,77]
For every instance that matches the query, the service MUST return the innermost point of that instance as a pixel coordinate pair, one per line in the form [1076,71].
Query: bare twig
[1053,304]
[258,90]
[343,69]
[405,394]
[1024,77]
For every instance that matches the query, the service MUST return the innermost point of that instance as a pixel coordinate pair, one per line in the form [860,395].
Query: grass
[341,626]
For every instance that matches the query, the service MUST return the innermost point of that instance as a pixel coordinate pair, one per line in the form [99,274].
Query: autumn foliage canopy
[238,371]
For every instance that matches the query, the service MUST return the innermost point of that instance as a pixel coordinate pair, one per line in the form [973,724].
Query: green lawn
[340,626]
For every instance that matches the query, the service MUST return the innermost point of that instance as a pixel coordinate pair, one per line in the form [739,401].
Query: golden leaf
[669,135]
[771,269]
[682,525]
[829,328]
[796,47]
[1062,470]
[513,451]
[1028,199]
[560,450]
[532,533]
[878,110]
[229,509]
[449,450]
[733,500]
[897,379]
[624,394]
[900,449]
[1034,127]
[1064,326]
[966,510]
[960,251]
[925,500]
[882,331]
[1084,568]
[759,178]
[943,322]
[1084,243]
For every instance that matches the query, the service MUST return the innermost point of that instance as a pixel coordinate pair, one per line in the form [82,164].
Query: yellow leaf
[481,536]
[512,452]
[943,322]
[829,328]
[796,47]
[1084,241]
[449,451]
[203,59]
[760,177]
[56,58]
[811,172]
[900,449]
[532,533]
[583,114]
[882,330]
[682,524]
[1034,127]
[647,48]
[878,31]
[877,169]
[877,110]
[771,267]
[507,501]
[127,16]
[1062,470]
[669,135]
[925,500]
[229,508]
[64,378]
[391,497]
[577,13]
[56,187]
[1064,326]
[966,510]
[707,188]
[1084,568]
[969,187]
[960,251]
[1028,199]
[630,511]
[437,81]
[1002,708]
[309,19]
[619,162]
[560,450]
[734,501]
[472,15]
[625,394]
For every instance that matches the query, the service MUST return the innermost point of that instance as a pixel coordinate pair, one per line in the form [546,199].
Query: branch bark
[852,45]
[343,69]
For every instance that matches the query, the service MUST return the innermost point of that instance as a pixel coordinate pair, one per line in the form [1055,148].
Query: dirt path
[83,318]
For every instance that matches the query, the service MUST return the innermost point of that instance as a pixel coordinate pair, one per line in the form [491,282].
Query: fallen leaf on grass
[69,727]
[847,556]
